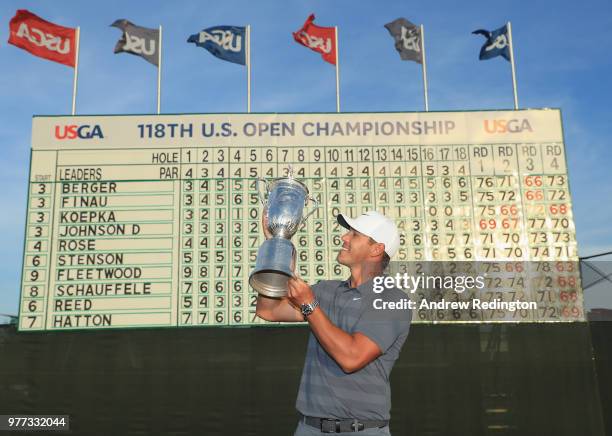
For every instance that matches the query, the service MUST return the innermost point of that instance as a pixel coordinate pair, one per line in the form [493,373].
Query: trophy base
[274,267]
[270,283]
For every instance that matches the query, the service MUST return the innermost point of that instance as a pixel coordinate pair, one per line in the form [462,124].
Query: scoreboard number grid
[120,234]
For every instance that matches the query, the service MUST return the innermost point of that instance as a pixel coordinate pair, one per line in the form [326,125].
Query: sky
[562,51]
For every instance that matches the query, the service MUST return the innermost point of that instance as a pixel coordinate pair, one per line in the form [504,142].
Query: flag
[42,38]
[497,43]
[139,41]
[407,38]
[224,42]
[317,38]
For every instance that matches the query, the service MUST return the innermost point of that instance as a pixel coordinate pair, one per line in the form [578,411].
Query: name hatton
[443,304]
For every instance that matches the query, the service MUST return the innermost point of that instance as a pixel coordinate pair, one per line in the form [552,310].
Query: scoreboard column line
[25,252]
[542,174]
[474,226]
[230,247]
[198,220]
[325,209]
[179,237]
[423,216]
[526,271]
[327,249]
[373,177]
[196,239]
[227,295]
[495,175]
[521,202]
[51,261]
[229,298]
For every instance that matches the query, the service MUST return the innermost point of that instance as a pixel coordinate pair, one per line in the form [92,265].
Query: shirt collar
[362,288]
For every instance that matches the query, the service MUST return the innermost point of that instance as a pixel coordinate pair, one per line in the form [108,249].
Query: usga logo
[507,126]
[83,132]
[42,39]
[139,45]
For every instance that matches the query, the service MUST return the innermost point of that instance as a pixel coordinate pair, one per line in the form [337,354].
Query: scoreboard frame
[91,132]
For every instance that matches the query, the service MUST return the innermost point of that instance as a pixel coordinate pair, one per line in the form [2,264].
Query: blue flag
[497,43]
[225,42]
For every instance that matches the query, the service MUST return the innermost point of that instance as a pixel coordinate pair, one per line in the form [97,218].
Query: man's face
[356,248]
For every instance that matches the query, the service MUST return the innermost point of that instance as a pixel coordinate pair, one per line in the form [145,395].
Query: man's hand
[299,292]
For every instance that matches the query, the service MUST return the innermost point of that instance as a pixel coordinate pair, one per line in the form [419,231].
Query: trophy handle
[261,197]
[316,205]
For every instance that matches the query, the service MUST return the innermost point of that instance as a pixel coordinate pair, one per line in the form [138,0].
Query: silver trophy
[285,203]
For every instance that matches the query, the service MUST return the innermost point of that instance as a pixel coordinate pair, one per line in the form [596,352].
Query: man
[352,346]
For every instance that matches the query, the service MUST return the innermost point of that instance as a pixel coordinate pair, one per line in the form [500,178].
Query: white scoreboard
[154,221]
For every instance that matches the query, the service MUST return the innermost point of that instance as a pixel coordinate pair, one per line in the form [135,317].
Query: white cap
[376,226]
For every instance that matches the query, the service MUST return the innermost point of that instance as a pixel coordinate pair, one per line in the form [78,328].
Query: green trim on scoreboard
[25,235]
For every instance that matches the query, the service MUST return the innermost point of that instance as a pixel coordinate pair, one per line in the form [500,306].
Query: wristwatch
[307,309]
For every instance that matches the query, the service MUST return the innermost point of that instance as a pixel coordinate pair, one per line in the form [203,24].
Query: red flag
[42,38]
[317,38]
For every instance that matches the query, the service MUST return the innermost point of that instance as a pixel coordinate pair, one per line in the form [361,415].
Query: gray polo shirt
[328,392]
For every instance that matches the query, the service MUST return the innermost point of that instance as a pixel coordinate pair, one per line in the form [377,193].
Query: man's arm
[277,309]
[350,351]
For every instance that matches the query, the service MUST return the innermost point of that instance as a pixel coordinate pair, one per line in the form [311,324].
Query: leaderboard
[154,221]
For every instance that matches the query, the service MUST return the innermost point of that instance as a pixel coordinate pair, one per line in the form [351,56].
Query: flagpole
[159,67]
[424,65]
[248,61]
[512,65]
[76,70]
[337,70]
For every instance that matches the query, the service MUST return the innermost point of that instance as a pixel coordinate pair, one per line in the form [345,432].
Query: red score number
[515,267]
[506,223]
[487,224]
[533,181]
[566,296]
[534,195]
[570,312]
[509,210]
[567,281]
[565,266]
[558,209]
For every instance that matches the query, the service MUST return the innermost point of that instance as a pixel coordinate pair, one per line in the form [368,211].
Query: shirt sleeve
[319,291]
[316,289]
[384,326]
